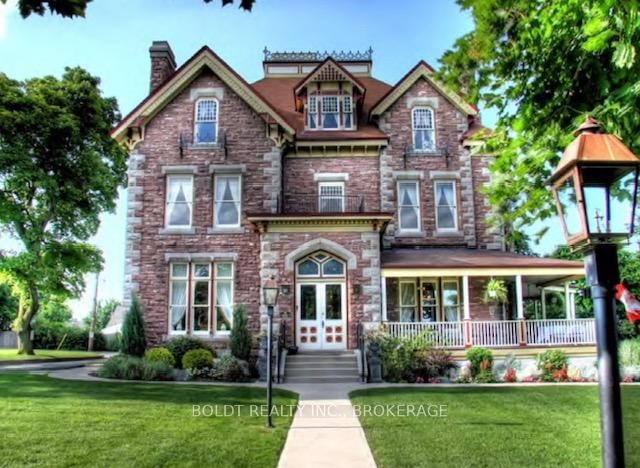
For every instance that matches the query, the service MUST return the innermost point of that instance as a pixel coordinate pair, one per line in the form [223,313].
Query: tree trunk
[22,324]
[25,346]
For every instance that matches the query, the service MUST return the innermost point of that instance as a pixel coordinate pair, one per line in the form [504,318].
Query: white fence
[561,332]
[499,333]
[441,334]
[8,339]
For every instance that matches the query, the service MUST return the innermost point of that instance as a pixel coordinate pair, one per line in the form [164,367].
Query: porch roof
[473,262]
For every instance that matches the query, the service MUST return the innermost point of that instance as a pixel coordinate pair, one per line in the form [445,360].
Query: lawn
[12,354]
[526,426]
[49,422]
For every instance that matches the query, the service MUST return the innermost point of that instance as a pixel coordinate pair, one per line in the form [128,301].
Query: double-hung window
[179,201]
[201,285]
[429,300]
[347,112]
[330,112]
[451,300]
[422,120]
[446,206]
[312,112]
[409,205]
[227,201]
[223,286]
[331,197]
[178,297]
[206,121]
[407,301]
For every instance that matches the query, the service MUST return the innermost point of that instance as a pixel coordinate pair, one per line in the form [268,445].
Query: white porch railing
[494,334]
[560,332]
[500,333]
[442,334]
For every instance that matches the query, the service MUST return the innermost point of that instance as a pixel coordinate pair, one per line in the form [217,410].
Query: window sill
[224,230]
[177,231]
[448,234]
[410,234]
[428,153]
[204,146]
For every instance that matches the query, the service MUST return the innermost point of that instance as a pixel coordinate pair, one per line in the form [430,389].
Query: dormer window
[424,138]
[329,112]
[206,122]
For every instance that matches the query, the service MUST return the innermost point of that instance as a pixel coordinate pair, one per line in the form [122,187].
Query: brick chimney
[163,64]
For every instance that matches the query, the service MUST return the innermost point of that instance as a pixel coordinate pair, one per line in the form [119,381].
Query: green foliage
[629,353]
[103,313]
[8,307]
[543,66]
[495,292]
[53,131]
[180,345]
[126,367]
[54,335]
[112,342]
[432,362]
[240,339]
[54,311]
[133,335]
[197,359]
[229,369]
[160,355]
[551,361]
[403,359]
[480,361]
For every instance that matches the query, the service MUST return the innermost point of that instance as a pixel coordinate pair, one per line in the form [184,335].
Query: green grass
[12,354]
[533,426]
[49,422]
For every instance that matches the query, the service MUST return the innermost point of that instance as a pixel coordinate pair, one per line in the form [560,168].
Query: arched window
[320,264]
[206,121]
[424,135]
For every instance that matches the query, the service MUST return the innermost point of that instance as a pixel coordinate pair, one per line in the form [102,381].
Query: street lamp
[270,291]
[595,189]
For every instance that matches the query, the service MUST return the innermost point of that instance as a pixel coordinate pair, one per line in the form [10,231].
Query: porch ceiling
[472,262]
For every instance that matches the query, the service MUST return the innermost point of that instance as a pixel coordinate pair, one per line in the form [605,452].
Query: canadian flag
[631,304]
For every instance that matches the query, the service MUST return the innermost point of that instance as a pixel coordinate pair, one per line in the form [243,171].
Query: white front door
[320,316]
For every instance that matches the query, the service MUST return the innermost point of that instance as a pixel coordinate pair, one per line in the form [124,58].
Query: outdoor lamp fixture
[595,188]
[270,291]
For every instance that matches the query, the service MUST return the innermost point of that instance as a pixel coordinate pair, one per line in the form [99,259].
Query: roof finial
[590,125]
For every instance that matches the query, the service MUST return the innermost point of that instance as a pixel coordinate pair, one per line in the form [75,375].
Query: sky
[112,42]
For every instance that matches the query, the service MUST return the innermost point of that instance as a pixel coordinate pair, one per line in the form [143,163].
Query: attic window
[206,126]
[329,112]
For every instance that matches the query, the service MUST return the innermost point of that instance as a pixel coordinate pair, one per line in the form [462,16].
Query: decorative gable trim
[424,71]
[329,70]
[155,102]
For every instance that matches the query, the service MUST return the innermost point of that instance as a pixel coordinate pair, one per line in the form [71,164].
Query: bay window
[408,205]
[446,206]
[179,201]
[227,201]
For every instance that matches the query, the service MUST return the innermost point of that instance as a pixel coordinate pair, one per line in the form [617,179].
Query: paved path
[49,366]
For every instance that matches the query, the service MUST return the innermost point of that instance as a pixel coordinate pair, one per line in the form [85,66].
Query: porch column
[567,302]
[383,298]
[466,309]
[543,299]
[520,310]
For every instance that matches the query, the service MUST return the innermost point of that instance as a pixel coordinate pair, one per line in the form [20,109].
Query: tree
[59,170]
[544,66]
[8,307]
[73,8]
[133,337]
[103,314]
[54,310]
[240,339]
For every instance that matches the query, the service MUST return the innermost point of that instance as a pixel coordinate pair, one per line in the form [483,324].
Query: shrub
[240,339]
[197,359]
[510,375]
[230,369]
[122,366]
[160,355]
[627,331]
[400,356]
[180,345]
[54,335]
[551,361]
[479,357]
[113,342]
[485,373]
[629,351]
[133,339]
[436,363]
[157,370]
[560,375]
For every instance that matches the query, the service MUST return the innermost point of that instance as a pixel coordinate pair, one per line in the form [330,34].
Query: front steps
[322,367]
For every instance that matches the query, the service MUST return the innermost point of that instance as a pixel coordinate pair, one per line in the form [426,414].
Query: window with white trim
[424,137]
[179,201]
[409,205]
[206,121]
[429,300]
[451,300]
[223,287]
[407,301]
[178,283]
[446,205]
[331,197]
[227,200]
[330,112]
[200,296]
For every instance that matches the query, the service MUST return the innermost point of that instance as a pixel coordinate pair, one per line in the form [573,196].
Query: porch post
[567,304]
[544,303]
[383,299]
[520,310]
[466,308]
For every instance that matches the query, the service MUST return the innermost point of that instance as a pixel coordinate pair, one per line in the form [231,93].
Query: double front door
[320,316]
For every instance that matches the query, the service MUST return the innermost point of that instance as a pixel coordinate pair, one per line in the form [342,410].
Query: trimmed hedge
[49,335]
[197,359]
[126,367]
[160,355]
[180,345]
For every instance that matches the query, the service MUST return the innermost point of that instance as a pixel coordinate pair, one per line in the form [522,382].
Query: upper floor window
[179,203]
[331,197]
[446,206]
[408,205]
[329,112]
[422,121]
[206,122]
[227,201]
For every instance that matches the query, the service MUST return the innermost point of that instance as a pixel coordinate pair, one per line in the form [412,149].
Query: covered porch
[438,293]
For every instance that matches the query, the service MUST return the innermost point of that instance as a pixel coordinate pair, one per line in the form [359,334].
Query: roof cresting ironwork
[318,56]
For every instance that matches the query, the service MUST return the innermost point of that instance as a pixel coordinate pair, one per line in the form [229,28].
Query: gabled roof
[329,70]
[425,71]
[181,78]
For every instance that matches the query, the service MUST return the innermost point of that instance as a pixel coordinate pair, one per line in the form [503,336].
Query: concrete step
[321,365]
[320,380]
[320,373]
[321,359]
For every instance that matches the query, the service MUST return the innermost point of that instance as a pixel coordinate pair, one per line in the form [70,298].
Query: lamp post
[595,189]
[270,291]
